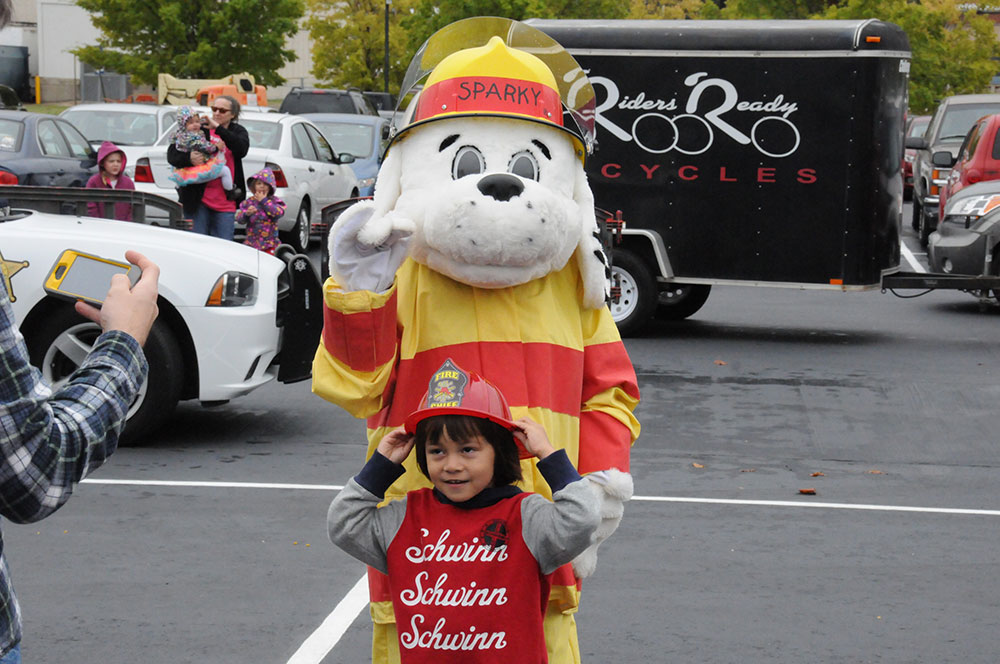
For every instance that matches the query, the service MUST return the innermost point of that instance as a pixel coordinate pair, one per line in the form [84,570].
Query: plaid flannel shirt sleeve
[50,440]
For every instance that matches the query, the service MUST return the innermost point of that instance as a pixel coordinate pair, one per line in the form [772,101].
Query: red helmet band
[490,94]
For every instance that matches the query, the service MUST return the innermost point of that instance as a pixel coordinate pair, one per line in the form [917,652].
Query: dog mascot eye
[468,161]
[524,165]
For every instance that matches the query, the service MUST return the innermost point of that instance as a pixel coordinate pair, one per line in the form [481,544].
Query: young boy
[467,559]
[110,175]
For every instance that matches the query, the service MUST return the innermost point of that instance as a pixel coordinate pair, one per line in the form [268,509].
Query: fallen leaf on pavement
[697,465]
[818,475]
[808,492]
[721,363]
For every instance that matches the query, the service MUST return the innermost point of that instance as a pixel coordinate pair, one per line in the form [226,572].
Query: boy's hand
[532,435]
[396,445]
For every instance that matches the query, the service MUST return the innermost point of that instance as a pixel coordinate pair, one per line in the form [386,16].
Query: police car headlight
[233,289]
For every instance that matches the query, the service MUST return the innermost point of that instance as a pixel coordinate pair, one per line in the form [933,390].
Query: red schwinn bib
[465,587]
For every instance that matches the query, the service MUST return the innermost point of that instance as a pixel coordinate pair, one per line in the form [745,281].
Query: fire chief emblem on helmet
[447,386]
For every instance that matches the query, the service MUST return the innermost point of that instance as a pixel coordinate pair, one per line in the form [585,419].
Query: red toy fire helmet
[455,391]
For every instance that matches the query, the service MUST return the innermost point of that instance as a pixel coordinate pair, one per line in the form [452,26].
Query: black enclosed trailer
[744,152]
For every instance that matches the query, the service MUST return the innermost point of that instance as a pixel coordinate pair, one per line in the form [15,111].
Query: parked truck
[760,153]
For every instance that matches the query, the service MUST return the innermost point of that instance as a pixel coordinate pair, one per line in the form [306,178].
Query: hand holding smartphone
[81,276]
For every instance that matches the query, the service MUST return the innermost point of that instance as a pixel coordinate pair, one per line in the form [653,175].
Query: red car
[978,159]
[916,125]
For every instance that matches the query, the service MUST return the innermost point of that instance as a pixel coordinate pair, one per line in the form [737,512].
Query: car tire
[639,292]
[925,229]
[298,236]
[995,270]
[681,301]
[324,255]
[65,338]
[917,213]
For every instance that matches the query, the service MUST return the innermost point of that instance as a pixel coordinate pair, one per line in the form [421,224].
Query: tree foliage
[192,38]
[775,9]
[349,42]
[672,9]
[432,15]
[952,49]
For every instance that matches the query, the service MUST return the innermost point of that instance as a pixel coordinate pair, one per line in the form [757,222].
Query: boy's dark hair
[506,461]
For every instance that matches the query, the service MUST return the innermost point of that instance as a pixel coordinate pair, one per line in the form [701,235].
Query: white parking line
[319,644]
[322,641]
[910,258]
[661,499]
[829,506]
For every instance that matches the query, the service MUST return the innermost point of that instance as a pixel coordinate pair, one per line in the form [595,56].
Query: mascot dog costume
[480,245]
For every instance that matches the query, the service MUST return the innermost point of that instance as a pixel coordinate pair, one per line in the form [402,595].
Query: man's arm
[51,440]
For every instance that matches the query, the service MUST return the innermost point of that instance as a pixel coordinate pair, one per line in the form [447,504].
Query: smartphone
[81,276]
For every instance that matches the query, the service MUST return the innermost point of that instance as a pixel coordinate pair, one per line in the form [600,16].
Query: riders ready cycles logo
[709,112]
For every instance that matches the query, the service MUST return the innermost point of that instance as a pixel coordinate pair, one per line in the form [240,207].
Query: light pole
[385,66]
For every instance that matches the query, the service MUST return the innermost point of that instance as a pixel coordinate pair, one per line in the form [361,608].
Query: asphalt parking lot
[208,543]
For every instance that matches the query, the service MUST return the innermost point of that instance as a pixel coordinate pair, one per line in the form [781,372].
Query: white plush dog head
[495,202]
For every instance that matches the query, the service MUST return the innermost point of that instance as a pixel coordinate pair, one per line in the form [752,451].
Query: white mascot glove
[365,252]
[612,489]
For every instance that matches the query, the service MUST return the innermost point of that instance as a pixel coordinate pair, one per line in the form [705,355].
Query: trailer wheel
[638,292]
[681,301]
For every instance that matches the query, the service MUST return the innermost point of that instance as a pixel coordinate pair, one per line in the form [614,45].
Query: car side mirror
[943,158]
[916,142]
[385,132]
[346,158]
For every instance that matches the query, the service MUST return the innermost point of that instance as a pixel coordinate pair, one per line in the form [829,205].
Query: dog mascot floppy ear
[480,245]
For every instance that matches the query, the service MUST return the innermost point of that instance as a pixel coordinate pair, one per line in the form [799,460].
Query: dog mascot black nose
[501,186]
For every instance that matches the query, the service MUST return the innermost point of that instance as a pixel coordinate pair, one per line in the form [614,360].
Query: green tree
[672,9]
[779,9]
[952,49]
[431,15]
[192,38]
[349,42]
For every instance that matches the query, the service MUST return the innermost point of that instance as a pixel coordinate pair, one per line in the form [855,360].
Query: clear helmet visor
[575,90]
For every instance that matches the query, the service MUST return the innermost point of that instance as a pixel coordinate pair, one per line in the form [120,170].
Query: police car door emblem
[9,269]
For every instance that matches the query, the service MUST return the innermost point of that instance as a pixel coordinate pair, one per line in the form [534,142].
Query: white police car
[231,318]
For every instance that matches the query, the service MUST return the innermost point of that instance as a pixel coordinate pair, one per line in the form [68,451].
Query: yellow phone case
[59,281]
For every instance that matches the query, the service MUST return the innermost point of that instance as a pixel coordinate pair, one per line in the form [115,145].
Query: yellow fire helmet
[488,66]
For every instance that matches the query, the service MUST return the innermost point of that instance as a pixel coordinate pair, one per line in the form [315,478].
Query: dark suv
[950,123]
[326,100]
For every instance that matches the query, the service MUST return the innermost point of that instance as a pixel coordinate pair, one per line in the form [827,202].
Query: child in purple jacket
[261,211]
[111,175]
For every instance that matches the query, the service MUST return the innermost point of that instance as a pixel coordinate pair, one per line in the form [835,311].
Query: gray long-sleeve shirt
[555,531]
